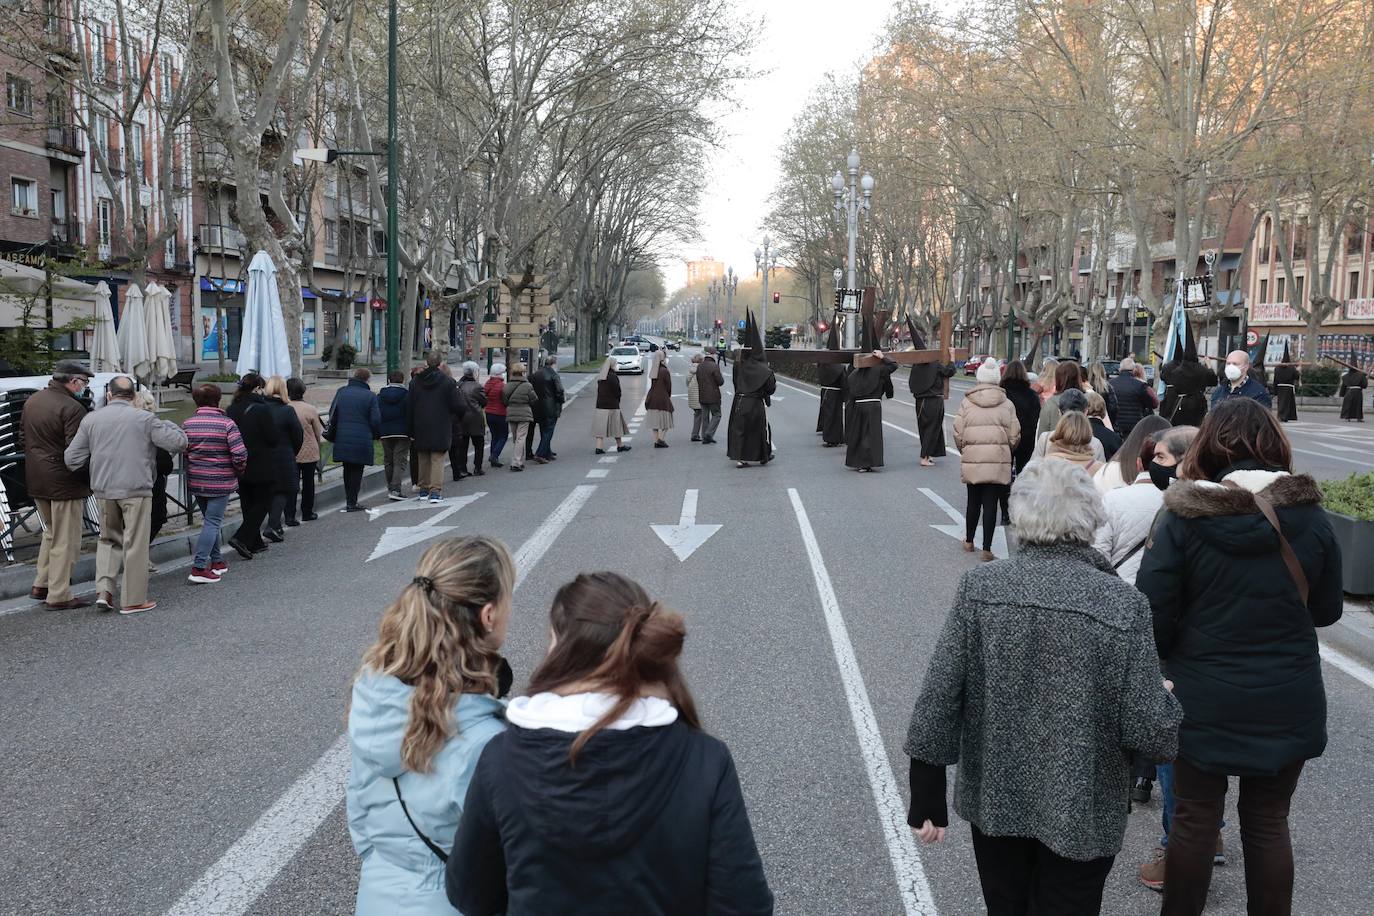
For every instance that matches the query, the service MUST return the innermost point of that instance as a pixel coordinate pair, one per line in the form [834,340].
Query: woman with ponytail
[423,707]
[605,795]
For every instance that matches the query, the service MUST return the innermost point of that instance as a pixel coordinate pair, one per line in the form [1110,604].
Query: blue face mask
[1162,476]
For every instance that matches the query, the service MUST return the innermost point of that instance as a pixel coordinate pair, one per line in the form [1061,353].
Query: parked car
[628,360]
[973,362]
[674,345]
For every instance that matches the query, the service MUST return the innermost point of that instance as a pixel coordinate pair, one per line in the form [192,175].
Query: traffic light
[719,324]
[777,297]
[822,326]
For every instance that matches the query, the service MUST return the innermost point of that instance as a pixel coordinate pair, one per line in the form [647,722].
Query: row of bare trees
[534,137]
[1022,143]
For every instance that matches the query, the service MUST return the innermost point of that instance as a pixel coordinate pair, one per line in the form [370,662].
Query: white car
[627,359]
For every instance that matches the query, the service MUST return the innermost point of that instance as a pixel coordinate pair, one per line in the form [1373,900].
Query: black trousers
[458,455]
[255,498]
[159,513]
[983,498]
[353,482]
[1024,877]
[307,492]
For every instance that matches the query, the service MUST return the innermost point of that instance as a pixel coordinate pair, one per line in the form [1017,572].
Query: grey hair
[470,369]
[144,400]
[1177,440]
[551,360]
[1054,502]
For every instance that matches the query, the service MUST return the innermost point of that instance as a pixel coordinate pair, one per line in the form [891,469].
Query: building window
[1297,290]
[1265,243]
[331,236]
[24,196]
[1354,240]
[165,71]
[1279,297]
[1300,240]
[104,218]
[140,166]
[1353,289]
[19,94]
[1264,291]
[171,253]
[99,65]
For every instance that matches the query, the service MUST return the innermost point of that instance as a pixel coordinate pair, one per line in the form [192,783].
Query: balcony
[224,239]
[65,139]
[115,157]
[58,42]
[138,169]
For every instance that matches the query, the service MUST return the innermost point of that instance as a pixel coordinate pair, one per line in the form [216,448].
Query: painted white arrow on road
[957,531]
[686,536]
[399,538]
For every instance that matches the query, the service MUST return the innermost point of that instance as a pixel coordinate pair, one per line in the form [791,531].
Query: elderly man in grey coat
[120,444]
[1043,684]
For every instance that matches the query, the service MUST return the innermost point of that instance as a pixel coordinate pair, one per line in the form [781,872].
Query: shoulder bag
[1290,559]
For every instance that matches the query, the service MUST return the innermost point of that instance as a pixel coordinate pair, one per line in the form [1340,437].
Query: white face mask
[1233,372]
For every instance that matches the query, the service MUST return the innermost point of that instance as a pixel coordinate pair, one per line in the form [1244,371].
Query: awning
[217,284]
[20,285]
[1229,261]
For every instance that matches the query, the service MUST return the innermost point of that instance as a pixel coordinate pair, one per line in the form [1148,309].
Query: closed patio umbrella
[263,347]
[161,362]
[105,346]
[133,332]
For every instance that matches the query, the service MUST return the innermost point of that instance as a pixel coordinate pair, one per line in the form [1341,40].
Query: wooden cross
[943,354]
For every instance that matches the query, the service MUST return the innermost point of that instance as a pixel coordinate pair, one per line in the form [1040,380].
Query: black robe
[927,384]
[1353,384]
[830,422]
[749,436]
[1185,394]
[1286,379]
[863,430]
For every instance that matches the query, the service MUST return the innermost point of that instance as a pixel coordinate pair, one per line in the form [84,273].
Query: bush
[347,354]
[1353,496]
[1319,382]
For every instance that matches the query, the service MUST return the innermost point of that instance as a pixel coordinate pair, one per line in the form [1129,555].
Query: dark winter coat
[1043,683]
[1235,637]
[355,419]
[51,418]
[433,404]
[257,422]
[709,380]
[660,396]
[394,403]
[1134,402]
[1185,398]
[473,399]
[1248,389]
[290,438]
[1027,404]
[548,385]
[651,822]
[1111,441]
[608,392]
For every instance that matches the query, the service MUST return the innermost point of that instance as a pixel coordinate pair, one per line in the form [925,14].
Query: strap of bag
[443,856]
[1290,559]
[1146,541]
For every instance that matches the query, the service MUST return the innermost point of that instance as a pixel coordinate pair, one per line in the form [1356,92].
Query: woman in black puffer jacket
[1237,637]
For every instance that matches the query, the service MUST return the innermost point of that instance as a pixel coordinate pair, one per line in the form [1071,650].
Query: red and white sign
[378,304]
[1362,309]
[1251,338]
[1262,312]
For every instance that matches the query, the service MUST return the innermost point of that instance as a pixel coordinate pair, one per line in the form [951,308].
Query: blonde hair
[276,387]
[518,369]
[431,637]
[144,400]
[1074,432]
[1097,407]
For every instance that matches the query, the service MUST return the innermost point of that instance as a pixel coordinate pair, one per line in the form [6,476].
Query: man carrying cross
[927,382]
[866,387]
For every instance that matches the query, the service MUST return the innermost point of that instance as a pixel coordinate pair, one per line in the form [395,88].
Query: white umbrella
[162,350]
[262,346]
[105,347]
[133,331]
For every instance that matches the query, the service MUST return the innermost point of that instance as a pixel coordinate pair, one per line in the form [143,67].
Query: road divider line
[1358,464]
[238,878]
[901,844]
[1347,664]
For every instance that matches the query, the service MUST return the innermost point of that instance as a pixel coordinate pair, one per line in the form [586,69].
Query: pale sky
[802,41]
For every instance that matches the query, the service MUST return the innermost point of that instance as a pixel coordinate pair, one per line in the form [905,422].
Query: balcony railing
[115,157]
[64,138]
[225,238]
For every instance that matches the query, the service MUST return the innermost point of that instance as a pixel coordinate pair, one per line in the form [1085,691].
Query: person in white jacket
[1131,510]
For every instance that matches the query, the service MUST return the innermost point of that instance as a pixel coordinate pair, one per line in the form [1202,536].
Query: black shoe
[460,476]
[353,509]
[622,448]
[309,517]
[276,537]
[497,464]
[479,473]
[517,467]
[1140,792]
[259,548]
[696,438]
[241,548]
[1006,520]
[660,444]
[708,441]
[292,523]
[601,451]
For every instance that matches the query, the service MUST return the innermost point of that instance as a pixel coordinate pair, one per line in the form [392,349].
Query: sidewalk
[1353,634]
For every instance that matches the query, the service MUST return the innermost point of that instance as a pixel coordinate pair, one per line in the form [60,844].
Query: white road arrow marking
[686,536]
[394,539]
[957,531]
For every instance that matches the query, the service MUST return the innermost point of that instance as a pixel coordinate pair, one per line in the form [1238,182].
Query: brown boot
[1151,874]
[988,556]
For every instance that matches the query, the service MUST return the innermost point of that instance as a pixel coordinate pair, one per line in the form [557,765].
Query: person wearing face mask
[1131,510]
[1238,383]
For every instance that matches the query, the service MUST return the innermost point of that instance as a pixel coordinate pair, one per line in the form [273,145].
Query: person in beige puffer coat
[986,432]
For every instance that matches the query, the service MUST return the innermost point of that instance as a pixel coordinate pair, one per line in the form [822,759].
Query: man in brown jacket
[51,418]
[709,380]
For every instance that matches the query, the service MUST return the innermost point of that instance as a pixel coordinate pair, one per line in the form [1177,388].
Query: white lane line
[596,473]
[237,879]
[571,394]
[1328,457]
[901,844]
[892,426]
[1347,664]
[609,459]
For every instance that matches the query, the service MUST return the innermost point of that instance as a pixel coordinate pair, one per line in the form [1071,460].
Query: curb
[1353,634]
[17,579]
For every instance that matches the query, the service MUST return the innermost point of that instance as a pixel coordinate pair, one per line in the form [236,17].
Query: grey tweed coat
[1045,678]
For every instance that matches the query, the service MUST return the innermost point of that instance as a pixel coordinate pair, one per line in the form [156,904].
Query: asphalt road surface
[189,760]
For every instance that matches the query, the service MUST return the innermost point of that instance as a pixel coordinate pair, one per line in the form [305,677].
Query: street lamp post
[850,202]
[766,260]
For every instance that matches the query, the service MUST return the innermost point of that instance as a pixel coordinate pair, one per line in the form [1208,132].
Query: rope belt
[828,388]
[868,401]
[1286,385]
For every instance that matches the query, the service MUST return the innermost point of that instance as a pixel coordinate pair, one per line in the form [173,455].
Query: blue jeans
[1164,777]
[207,545]
[500,432]
[546,427]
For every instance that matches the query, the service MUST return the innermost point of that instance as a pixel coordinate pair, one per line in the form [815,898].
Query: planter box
[1356,538]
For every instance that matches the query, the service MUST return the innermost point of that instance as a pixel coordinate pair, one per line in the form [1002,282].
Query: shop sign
[1359,309]
[1272,311]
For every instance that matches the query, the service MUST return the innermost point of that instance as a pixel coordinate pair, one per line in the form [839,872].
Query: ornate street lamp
[851,201]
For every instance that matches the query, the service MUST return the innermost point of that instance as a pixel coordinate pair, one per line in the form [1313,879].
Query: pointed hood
[1258,353]
[753,341]
[918,342]
[1286,357]
[1189,344]
[869,340]
[832,340]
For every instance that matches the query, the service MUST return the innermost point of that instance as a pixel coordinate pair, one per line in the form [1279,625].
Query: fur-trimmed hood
[1229,519]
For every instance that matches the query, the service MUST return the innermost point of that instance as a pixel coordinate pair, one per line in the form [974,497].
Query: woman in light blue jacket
[423,707]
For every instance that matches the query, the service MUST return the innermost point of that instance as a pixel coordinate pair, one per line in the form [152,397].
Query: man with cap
[119,444]
[1134,399]
[1239,383]
[709,381]
[50,421]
